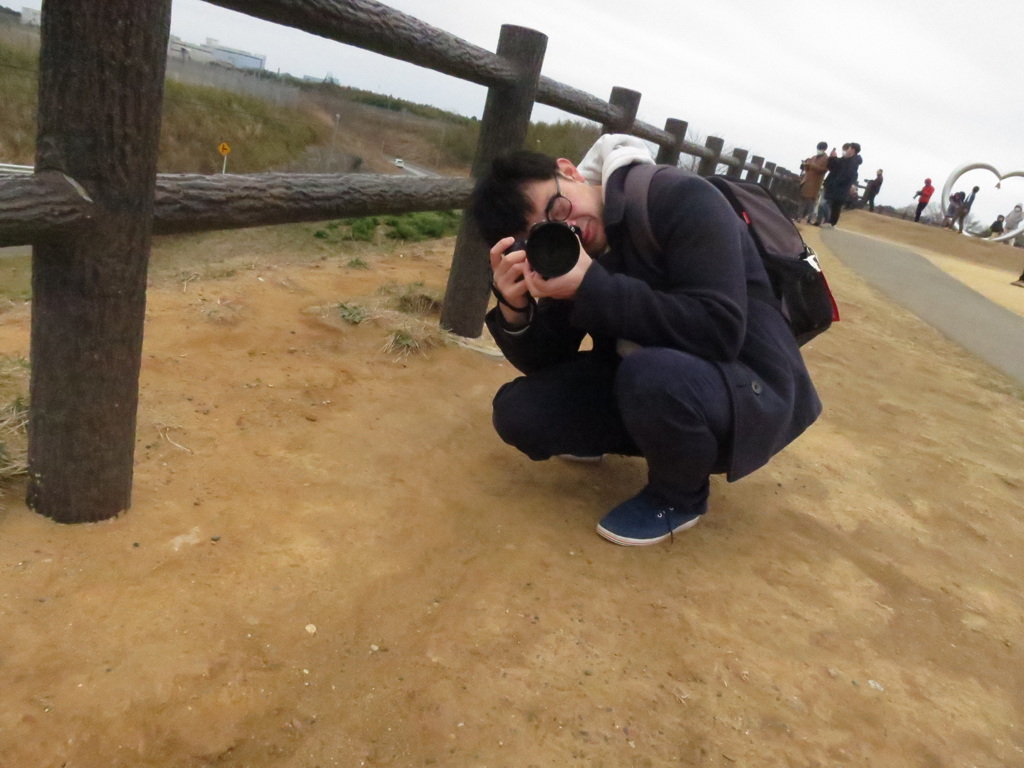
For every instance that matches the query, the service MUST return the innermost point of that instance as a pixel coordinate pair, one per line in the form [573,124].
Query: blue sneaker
[644,520]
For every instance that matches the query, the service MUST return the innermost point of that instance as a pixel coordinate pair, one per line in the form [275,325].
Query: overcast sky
[923,85]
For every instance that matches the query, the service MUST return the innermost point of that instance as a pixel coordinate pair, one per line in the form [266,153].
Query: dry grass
[13,416]
[407,312]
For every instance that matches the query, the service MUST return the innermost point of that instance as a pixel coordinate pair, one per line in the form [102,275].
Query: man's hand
[508,270]
[563,286]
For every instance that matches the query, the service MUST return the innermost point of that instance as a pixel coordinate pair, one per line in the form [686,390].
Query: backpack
[799,288]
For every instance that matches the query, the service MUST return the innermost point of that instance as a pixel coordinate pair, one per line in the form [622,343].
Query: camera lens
[552,249]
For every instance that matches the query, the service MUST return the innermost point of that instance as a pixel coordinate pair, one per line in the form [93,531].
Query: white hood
[611,152]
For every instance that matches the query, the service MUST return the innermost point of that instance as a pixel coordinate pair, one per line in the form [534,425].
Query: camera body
[552,248]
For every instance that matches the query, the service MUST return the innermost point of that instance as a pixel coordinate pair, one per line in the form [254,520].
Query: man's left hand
[563,286]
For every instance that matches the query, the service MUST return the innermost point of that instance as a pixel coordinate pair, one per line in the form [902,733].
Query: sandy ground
[332,560]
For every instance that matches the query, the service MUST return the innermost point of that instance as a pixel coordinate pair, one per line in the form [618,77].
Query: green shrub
[425,225]
[363,229]
[352,313]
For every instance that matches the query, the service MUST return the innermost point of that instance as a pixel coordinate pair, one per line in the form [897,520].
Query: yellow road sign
[224,148]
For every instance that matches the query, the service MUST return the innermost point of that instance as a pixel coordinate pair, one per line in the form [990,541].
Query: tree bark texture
[503,127]
[50,205]
[193,203]
[740,157]
[754,174]
[709,164]
[44,206]
[625,104]
[101,76]
[668,154]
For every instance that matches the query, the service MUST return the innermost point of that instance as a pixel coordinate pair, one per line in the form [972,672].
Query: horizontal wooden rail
[189,203]
[372,26]
[48,204]
[375,27]
[36,207]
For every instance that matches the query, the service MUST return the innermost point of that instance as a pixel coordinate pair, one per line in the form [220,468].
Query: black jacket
[692,297]
[842,174]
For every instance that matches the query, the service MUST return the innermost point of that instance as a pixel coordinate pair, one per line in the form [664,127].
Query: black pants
[835,208]
[920,207]
[670,407]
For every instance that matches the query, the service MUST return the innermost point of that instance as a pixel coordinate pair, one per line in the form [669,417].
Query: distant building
[179,50]
[31,17]
[212,52]
[235,57]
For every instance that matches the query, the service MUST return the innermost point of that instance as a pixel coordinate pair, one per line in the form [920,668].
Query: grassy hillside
[262,136]
[333,128]
[196,120]
[18,85]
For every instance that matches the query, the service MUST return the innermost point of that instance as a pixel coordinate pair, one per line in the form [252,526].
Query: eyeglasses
[559,207]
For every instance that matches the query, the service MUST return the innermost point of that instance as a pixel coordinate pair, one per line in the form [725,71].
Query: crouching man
[692,365]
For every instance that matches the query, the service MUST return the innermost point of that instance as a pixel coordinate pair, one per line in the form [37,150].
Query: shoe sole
[580,459]
[625,541]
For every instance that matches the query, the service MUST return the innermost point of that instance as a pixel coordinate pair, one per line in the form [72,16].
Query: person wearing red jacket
[925,194]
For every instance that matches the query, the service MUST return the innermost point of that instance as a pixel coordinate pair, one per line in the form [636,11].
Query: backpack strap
[638,215]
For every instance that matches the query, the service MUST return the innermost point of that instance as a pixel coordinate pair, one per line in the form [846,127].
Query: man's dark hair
[856,147]
[498,203]
[822,145]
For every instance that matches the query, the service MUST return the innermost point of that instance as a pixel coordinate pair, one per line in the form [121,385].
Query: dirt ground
[331,559]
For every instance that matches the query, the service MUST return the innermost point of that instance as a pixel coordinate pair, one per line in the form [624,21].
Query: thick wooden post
[786,189]
[767,175]
[626,103]
[101,78]
[708,165]
[736,171]
[502,127]
[670,155]
[755,175]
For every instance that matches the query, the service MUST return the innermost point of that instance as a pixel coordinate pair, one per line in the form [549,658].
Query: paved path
[993,333]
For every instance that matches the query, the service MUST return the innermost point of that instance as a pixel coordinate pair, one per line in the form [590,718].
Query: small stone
[311,628]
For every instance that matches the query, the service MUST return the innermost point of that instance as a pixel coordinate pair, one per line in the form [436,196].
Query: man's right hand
[508,270]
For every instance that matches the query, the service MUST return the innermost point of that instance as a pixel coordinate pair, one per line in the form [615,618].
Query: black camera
[552,248]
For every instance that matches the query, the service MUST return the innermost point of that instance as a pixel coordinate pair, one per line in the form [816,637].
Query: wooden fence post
[736,171]
[627,102]
[503,127]
[708,165]
[755,175]
[669,155]
[101,79]
[786,189]
[767,174]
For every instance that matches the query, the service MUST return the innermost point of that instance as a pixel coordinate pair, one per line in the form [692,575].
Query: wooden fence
[95,199]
